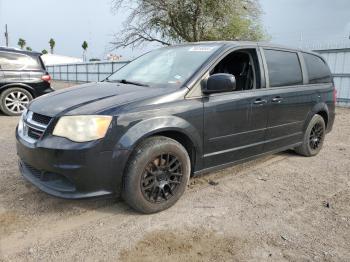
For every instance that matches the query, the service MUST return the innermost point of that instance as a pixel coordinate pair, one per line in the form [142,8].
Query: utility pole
[6,36]
[301,40]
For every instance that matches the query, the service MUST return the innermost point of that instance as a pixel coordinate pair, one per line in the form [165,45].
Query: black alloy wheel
[316,136]
[313,137]
[161,178]
[157,174]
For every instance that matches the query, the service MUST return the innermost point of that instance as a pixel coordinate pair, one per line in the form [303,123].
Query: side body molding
[24,86]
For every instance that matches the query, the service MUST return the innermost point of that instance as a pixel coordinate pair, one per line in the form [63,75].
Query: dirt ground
[282,207]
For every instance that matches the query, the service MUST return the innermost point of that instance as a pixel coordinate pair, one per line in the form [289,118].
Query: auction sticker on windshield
[202,48]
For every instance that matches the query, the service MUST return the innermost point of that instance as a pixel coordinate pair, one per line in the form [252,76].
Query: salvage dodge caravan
[172,113]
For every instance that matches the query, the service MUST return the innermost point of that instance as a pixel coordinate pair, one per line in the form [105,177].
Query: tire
[313,138]
[14,100]
[157,175]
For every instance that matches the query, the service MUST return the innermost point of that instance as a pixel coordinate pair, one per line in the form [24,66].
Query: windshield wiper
[124,81]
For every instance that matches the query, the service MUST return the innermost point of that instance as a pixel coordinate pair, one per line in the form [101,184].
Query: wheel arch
[184,140]
[172,127]
[320,109]
[18,85]
[325,116]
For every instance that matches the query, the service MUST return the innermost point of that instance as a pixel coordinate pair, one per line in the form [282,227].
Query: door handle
[260,101]
[277,99]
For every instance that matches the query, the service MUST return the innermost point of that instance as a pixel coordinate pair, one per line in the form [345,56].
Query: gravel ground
[63,84]
[282,207]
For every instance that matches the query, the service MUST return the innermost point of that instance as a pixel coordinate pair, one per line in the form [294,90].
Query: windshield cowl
[124,81]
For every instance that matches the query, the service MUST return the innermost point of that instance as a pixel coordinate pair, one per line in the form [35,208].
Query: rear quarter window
[283,67]
[317,69]
[16,61]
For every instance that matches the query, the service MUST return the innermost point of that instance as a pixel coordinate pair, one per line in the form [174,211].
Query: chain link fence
[338,60]
[84,72]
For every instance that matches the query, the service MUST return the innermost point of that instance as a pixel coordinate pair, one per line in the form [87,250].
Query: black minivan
[175,112]
[23,76]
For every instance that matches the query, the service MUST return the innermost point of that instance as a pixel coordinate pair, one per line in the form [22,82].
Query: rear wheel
[313,138]
[157,175]
[13,101]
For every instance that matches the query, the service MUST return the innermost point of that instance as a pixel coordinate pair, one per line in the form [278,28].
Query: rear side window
[284,68]
[317,69]
[15,61]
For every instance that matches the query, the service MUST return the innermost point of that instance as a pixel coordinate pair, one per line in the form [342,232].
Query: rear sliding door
[289,98]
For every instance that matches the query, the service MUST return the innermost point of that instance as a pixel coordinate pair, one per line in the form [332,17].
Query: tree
[21,43]
[174,21]
[84,46]
[52,45]
[29,48]
[44,52]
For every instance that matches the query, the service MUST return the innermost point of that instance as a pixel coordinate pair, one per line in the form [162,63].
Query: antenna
[6,36]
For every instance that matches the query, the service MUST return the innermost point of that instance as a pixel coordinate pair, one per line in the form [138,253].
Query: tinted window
[243,65]
[15,61]
[317,69]
[284,68]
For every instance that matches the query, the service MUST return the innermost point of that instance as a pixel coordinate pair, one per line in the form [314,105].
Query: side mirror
[219,83]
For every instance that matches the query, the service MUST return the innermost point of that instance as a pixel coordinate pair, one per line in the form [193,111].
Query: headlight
[82,128]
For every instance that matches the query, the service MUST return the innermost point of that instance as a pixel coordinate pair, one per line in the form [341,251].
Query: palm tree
[29,48]
[84,46]
[44,51]
[52,45]
[22,43]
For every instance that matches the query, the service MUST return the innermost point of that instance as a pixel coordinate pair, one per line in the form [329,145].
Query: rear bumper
[73,174]
[44,91]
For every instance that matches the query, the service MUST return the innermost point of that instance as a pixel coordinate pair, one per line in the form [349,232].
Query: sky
[288,22]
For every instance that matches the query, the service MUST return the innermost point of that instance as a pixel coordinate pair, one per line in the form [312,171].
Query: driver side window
[243,64]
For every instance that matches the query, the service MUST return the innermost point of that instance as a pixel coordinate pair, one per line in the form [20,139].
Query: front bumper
[81,172]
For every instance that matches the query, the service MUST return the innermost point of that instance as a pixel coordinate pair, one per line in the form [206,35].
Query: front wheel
[313,138]
[157,175]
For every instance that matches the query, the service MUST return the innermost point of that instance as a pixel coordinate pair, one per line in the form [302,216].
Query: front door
[234,126]
[235,122]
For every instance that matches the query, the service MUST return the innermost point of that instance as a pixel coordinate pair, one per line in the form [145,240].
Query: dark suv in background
[23,76]
[172,113]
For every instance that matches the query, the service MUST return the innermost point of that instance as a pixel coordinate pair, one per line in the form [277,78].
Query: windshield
[166,66]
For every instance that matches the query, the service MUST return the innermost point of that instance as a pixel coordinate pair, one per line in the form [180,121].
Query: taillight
[335,95]
[46,78]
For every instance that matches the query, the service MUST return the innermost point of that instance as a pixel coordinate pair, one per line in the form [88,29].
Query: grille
[35,134]
[34,126]
[35,172]
[51,180]
[45,120]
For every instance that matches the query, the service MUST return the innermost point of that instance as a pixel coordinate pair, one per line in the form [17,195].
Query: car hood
[92,98]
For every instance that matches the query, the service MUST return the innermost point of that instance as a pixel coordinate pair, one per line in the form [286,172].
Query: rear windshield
[317,69]
[17,61]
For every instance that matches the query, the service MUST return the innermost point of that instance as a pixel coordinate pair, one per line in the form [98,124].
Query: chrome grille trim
[36,125]
[28,125]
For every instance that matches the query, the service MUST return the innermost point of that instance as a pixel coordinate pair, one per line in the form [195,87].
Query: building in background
[114,57]
[52,59]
